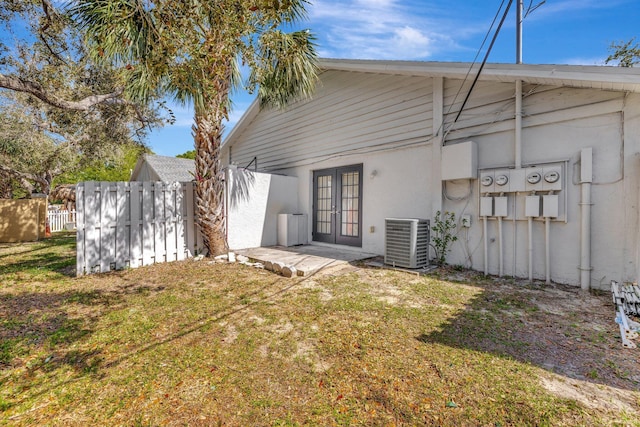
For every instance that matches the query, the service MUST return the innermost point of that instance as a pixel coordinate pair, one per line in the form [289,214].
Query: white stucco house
[541,167]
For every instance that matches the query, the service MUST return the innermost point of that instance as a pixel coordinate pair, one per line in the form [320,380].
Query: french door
[337,205]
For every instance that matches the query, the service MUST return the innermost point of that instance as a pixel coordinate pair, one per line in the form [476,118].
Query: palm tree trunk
[209,174]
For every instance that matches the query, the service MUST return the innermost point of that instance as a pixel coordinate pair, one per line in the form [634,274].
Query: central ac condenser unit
[406,242]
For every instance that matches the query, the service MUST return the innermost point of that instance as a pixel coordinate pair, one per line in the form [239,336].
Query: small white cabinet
[292,229]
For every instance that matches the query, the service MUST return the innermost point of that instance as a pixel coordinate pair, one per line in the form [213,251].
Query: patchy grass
[193,343]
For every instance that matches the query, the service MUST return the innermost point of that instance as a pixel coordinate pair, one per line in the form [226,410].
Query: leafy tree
[116,167]
[624,54]
[191,49]
[59,109]
[191,154]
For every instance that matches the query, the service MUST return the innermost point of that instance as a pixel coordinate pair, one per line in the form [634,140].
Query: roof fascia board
[580,75]
[497,72]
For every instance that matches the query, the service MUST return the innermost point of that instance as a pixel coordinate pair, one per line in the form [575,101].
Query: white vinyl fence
[131,224]
[61,220]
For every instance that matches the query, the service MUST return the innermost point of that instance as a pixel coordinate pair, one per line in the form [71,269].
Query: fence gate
[131,224]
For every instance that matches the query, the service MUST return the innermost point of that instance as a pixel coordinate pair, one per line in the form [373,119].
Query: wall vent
[406,242]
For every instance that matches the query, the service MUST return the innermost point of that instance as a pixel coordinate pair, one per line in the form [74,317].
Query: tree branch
[35,89]
[23,178]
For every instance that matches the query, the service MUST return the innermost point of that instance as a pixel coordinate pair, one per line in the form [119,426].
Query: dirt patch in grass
[193,343]
[568,333]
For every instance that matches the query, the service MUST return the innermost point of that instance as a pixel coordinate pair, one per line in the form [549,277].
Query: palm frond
[287,67]
[123,33]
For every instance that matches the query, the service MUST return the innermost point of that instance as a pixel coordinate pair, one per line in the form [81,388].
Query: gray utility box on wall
[292,229]
[406,242]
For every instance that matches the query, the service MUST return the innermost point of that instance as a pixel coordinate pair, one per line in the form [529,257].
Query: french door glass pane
[323,219]
[349,204]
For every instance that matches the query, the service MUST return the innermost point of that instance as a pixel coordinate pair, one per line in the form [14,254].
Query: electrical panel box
[486,206]
[550,206]
[517,180]
[532,206]
[460,161]
[500,206]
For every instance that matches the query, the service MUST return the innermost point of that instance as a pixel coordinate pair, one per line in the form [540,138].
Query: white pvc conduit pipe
[530,242]
[547,250]
[486,246]
[500,256]
[515,233]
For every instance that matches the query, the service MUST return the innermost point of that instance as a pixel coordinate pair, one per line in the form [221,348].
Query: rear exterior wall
[386,122]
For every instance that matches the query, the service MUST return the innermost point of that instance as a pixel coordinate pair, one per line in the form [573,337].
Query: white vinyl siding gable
[350,113]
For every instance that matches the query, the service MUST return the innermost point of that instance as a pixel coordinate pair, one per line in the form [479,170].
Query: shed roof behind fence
[151,167]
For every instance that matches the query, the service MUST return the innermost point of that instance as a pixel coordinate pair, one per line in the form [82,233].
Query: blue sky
[575,32]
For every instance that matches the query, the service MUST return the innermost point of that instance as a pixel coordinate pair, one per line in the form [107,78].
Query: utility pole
[519,9]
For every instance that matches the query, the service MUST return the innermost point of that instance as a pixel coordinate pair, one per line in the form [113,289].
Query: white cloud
[377,29]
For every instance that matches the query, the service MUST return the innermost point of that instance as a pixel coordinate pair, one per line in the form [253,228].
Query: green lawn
[193,343]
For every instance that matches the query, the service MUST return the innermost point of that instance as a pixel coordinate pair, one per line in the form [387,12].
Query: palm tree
[192,50]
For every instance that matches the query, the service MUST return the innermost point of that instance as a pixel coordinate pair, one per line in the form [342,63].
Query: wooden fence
[61,220]
[131,224]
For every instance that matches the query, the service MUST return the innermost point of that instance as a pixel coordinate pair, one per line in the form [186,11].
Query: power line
[486,36]
[484,61]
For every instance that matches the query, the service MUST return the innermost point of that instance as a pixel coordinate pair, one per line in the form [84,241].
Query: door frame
[336,236]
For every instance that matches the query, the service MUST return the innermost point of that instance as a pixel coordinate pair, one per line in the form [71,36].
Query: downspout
[227,181]
[586,178]
[438,140]
[518,164]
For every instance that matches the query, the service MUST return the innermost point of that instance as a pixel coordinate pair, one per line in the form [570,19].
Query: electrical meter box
[487,182]
[532,206]
[533,179]
[552,177]
[502,180]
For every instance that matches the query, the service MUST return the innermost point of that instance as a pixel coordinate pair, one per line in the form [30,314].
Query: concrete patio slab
[307,259]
